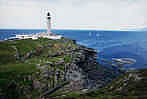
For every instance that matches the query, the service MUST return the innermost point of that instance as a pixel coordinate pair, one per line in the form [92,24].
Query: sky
[74,14]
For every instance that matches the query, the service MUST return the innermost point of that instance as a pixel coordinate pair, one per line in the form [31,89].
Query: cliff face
[36,68]
[130,85]
[85,72]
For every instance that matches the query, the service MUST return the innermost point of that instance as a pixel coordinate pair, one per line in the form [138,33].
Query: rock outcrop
[84,72]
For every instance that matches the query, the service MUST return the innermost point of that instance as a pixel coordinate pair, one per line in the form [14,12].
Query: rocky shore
[35,69]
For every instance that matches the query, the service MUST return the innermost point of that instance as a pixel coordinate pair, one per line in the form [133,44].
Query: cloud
[100,14]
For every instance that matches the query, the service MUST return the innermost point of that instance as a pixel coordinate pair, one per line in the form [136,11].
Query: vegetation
[24,62]
[19,60]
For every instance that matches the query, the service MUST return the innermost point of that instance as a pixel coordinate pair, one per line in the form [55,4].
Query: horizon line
[100,29]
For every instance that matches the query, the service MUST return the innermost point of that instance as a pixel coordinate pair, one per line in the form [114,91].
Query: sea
[109,44]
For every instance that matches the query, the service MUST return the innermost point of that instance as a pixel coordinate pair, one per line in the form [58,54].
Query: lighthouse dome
[48,14]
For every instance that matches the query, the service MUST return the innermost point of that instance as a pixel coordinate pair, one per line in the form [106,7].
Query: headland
[57,69]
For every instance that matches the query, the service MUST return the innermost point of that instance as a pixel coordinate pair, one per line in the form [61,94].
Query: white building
[48,35]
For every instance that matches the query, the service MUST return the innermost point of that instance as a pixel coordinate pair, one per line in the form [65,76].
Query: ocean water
[109,44]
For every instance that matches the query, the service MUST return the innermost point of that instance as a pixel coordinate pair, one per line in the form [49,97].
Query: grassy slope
[16,70]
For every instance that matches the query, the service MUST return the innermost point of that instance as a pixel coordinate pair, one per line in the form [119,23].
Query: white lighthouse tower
[48,23]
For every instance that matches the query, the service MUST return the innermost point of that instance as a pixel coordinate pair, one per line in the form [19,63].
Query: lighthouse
[48,23]
[48,35]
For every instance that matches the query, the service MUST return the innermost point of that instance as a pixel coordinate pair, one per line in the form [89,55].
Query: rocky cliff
[31,69]
[131,85]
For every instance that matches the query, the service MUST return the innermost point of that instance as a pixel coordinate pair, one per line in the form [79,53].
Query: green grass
[15,71]
[7,53]
[12,72]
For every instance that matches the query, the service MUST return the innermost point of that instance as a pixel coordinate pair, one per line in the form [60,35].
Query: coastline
[55,69]
[67,61]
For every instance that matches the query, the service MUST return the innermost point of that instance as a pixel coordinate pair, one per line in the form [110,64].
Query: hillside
[32,69]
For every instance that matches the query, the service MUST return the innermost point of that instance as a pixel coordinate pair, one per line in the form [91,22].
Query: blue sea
[109,44]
